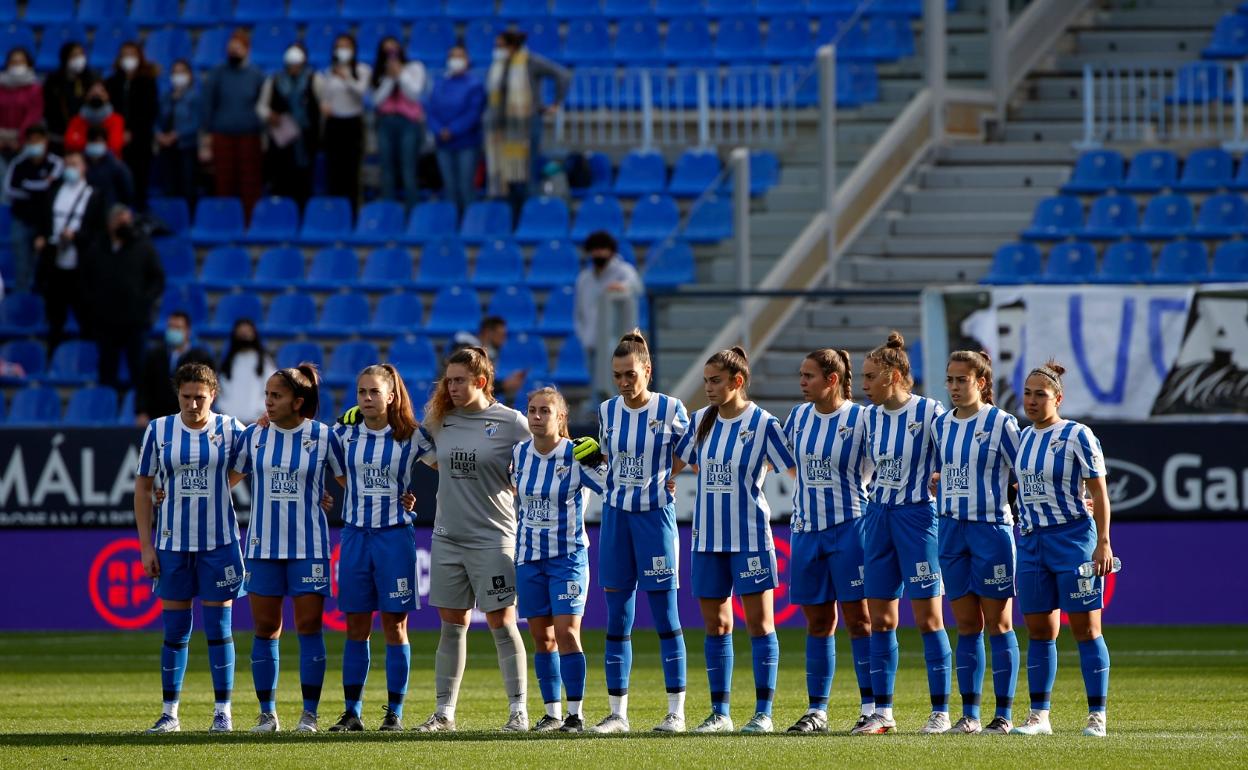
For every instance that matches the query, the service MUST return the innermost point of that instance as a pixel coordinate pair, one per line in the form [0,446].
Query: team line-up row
[899,497]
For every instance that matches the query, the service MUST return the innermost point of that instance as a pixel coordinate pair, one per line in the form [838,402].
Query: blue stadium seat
[1206,170]
[554,263]
[332,269]
[1239,183]
[654,218]
[625,251]
[217,221]
[326,220]
[1200,82]
[1230,262]
[125,415]
[764,172]
[1014,263]
[167,45]
[177,257]
[720,9]
[431,38]
[641,173]
[29,354]
[95,405]
[462,10]
[342,315]
[4,408]
[21,314]
[543,36]
[637,41]
[1151,171]
[48,12]
[312,10]
[417,9]
[346,362]
[48,54]
[173,213]
[479,36]
[414,357]
[576,9]
[776,7]
[738,40]
[541,219]
[889,38]
[224,268]
[100,11]
[852,43]
[588,42]
[210,47]
[396,315]
[431,221]
[186,297]
[371,32]
[672,9]
[74,363]
[710,221]
[1070,263]
[255,11]
[600,175]
[1111,217]
[289,316]
[694,172]
[600,212]
[387,270]
[230,309]
[571,368]
[202,13]
[1230,38]
[670,265]
[789,38]
[1221,216]
[273,220]
[269,41]
[291,354]
[1056,218]
[278,269]
[442,263]
[37,405]
[486,220]
[106,41]
[319,39]
[517,306]
[559,312]
[366,10]
[499,263]
[1182,262]
[523,352]
[688,41]
[1126,262]
[17,36]
[380,222]
[1165,217]
[523,9]
[1096,172]
[455,309]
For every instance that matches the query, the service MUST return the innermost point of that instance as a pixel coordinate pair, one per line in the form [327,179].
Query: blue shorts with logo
[1048,569]
[976,558]
[639,549]
[827,565]
[901,551]
[213,576]
[288,577]
[377,570]
[718,575]
[554,586]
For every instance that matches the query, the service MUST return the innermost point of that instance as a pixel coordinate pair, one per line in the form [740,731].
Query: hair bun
[309,370]
[634,336]
[987,356]
[895,341]
[740,351]
[1055,366]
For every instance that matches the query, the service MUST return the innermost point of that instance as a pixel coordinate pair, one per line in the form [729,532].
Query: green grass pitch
[1178,697]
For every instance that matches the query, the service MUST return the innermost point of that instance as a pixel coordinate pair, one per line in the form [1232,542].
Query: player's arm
[1103,554]
[143,521]
[236,477]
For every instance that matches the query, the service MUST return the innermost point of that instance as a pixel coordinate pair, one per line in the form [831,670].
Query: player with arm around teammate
[195,549]
[1057,460]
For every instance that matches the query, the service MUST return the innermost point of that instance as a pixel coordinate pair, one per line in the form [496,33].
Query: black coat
[135,100]
[153,390]
[124,285]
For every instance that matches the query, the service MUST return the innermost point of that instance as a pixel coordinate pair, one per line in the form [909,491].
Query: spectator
[397,88]
[27,184]
[177,134]
[109,178]
[60,275]
[132,90]
[290,107]
[607,272]
[21,100]
[229,116]
[244,371]
[153,393]
[65,91]
[125,282]
[342,104]
[455,109]
[491,336]
[96,111]
[514,118]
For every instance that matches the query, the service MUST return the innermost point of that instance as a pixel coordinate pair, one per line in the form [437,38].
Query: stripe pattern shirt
[902,445]
[833,465]
[378,470]
[550,497]
[976,455]
[1052,466]
[638,446]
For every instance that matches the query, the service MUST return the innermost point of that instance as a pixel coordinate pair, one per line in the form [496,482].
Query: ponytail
[305,383]
[892,355]
[734,361]
[980,364]
[478,364]
[633,344]
[836,362]
[399,413]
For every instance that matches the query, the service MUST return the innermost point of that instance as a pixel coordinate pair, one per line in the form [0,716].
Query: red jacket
[20,108]
[76,133]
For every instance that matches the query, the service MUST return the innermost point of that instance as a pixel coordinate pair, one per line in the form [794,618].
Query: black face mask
[235,60]
[601,262]
[95,102]
[124,233]
[239,343]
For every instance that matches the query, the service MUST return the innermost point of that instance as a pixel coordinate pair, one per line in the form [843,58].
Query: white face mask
[129,63]
[19,70]
[344,55]
[76,64]
[294,57]
[456,65]
[500,54]
[180,79]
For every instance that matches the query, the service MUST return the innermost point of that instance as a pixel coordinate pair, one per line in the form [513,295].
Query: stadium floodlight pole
[740,160]
[827,132]
[937,48]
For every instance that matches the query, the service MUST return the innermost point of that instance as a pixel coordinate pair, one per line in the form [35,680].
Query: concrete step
[1141,42]
[970,201]
[1043,131]
[966,153]
[1006,177]
[1044,111]
[1073,63]
[902,272]
[1171,18]
[857,313]
[1005,226]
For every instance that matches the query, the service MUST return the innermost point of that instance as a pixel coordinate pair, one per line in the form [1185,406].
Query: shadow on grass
[70,740]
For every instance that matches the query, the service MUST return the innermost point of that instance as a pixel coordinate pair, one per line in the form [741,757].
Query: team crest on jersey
[309,444]
[655,425]
[491,428]
[914,427]
[746,436]
[215,439]
[844,431]
[1055,445]
[981,436]
[562,470]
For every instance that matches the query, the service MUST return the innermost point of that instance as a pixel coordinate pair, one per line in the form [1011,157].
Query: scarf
[511,118]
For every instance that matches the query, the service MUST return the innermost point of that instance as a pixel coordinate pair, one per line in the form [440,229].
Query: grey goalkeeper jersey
[476,506]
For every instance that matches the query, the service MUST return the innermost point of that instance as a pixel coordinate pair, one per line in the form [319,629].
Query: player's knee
[971,626]
[307,626]
[718,627]
[759,627]
[359,626]
[567,640]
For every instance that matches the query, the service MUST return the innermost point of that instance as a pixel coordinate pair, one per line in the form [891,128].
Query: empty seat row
[1116,216]
[1123,262]
[1206,170]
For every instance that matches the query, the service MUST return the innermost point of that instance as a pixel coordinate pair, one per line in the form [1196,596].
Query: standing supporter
[455,108]
[21,101]
[152,396]
[177,134]
[606,272]
[59,266]
[230,95]
[345,85]
[108,176]
[243,372]
[132,90]
[27,187]
[65,91]
[290,108]
[397,87]
[96,112]
[491,336]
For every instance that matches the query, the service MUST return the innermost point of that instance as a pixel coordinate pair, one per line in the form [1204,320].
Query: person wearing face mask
[342,104]
[60,277]
[397,89]
[607,272]
[108,177]
[65,91]
[230,94]
[177,134]
[21,100]
[244,371]
[152,395]
[96,112]
[27,183]
[132,91]
[454,117]
[290,107]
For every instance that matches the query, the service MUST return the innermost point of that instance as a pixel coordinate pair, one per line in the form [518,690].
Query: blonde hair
[399,413]
[478,364]
[892,355]
[561,406]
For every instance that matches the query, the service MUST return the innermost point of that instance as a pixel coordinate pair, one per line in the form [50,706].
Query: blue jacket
[457,103]
[181,115]
[229,100]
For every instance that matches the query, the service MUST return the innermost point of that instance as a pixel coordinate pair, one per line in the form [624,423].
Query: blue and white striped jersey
[1051,466]
[833,465]
[637,445]
[378,470]
[550,491]
[287,470]
[193,468]
[732,514]
[903,448]
[976,455]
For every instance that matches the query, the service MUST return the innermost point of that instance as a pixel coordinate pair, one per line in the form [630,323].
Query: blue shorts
[901,551]
[377,570]
[976,558]
[639,550]
[554,586]
[287,577]
[718,575]
[213,576]
[1048,569]
[827,565]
